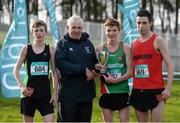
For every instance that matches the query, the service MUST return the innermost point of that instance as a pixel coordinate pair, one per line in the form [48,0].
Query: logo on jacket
[71,49]
[45,54]
[87,49]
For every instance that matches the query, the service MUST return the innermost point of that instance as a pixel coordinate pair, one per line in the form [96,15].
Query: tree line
[99,10]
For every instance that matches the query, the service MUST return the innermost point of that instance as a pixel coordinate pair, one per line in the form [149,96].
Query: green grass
[10,108]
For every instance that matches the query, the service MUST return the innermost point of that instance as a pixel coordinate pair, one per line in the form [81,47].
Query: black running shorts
[29,106]
[144,100]
[114,101]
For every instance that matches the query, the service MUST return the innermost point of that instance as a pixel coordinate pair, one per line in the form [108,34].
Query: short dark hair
[112,22]
[38,23]
[144,13]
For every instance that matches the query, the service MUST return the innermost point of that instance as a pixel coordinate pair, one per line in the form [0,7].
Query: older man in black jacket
[76,59]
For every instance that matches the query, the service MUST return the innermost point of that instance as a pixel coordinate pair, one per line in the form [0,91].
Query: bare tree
[101,11]
[67,8]
[161,15]
[87,10]
[151,11]
[35,7]
[1,6]
[113,6]
[106,15]
[116,9]
[169,8]
[168,27]
[81,7]
[95,10]
[165,8]
[144,4]
[176,17]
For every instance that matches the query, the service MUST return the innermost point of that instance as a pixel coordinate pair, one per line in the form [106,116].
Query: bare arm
[18,64]
[16,71]
[128,74]
[160,45]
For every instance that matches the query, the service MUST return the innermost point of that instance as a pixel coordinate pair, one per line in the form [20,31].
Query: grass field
[9,108]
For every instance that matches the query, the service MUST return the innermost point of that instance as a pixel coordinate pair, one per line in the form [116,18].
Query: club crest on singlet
[39,68]
[141,71]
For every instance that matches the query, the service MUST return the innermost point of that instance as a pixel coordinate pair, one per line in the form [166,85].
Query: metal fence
[95,31]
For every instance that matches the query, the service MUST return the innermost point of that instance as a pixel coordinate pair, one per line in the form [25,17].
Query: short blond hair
[38,23]
[112,22]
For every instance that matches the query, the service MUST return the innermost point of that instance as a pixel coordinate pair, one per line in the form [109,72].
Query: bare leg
[107,115]
[124,114]
[28,118]
[141,116]
[157,113]
[48,118]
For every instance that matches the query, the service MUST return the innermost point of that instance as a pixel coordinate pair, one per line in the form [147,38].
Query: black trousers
[74,112]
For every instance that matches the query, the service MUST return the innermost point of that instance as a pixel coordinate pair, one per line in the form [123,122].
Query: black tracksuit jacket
[72,58]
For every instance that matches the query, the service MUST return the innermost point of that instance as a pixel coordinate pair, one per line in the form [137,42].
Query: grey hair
[75,18]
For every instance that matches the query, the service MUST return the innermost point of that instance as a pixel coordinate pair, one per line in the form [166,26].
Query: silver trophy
[102,58]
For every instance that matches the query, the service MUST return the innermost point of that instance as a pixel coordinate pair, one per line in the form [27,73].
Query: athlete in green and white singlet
[116,66]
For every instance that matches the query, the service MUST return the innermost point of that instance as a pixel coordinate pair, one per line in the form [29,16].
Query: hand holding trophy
[102,58]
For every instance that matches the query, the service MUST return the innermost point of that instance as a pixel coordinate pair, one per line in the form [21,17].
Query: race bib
[39,68]
[115,73]
[141,71]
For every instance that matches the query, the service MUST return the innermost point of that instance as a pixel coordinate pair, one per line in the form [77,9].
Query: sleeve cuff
[83,71]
